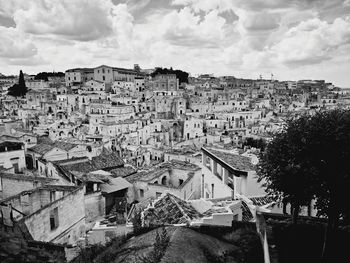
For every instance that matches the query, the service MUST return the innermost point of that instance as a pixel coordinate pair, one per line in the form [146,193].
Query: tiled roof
[262,200]
[42,148]
[84,167]
[44,145]
[178,164]
[64,145]
[64,162]
[115,184]
[211,211]
[246,214]
[107,159]
[122,171]
[170,209]
[236,161]
[96,178]
[104,161]
[146,176]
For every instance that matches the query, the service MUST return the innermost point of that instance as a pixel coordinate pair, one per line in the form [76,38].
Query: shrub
[160,245]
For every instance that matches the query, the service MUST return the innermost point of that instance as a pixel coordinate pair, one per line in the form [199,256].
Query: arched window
[164,180]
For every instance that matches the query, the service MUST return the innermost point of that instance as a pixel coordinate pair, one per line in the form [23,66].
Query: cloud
[82,20]
[206,5]
[6,21]
[32,61]
[261,21]
[312,41]
[185,28]
[14,44]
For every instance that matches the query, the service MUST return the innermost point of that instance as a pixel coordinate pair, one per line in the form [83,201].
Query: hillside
[185,245]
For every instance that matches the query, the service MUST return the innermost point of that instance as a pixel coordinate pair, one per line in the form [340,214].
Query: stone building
[51,213]
[12,155]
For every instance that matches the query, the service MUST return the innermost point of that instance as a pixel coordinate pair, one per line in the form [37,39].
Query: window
[54,218]
[89,188]
[52,196]
[181,182]
[164,180]
[212,190]
[142,193]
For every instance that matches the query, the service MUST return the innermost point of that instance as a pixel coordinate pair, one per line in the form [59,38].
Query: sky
[294,39]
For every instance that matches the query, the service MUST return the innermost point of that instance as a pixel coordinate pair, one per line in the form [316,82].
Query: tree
[256,143]
[45,75]
[20,89]
[283,168]
[181,75]
[159,247]
[310,159]
[328,152]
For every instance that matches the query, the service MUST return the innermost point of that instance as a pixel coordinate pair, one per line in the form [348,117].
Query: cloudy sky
[294,39]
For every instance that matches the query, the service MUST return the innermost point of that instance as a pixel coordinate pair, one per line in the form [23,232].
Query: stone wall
[71,219]
[14,186]
[95,206]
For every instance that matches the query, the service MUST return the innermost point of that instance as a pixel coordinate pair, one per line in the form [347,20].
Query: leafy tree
[20,89]
[181,75]
[328,152]
[284,168]
[256,143]
[310,159]
[46,75]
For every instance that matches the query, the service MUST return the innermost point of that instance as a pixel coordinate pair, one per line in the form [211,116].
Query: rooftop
[169,209]
[107,160]
[47,146]
[26,177]
[235,161]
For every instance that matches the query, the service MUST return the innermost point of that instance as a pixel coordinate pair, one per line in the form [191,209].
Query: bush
[160,245]
[100,253]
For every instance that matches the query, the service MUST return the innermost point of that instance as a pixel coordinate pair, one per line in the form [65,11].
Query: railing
[261,230]
[128,217]
[191,194]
